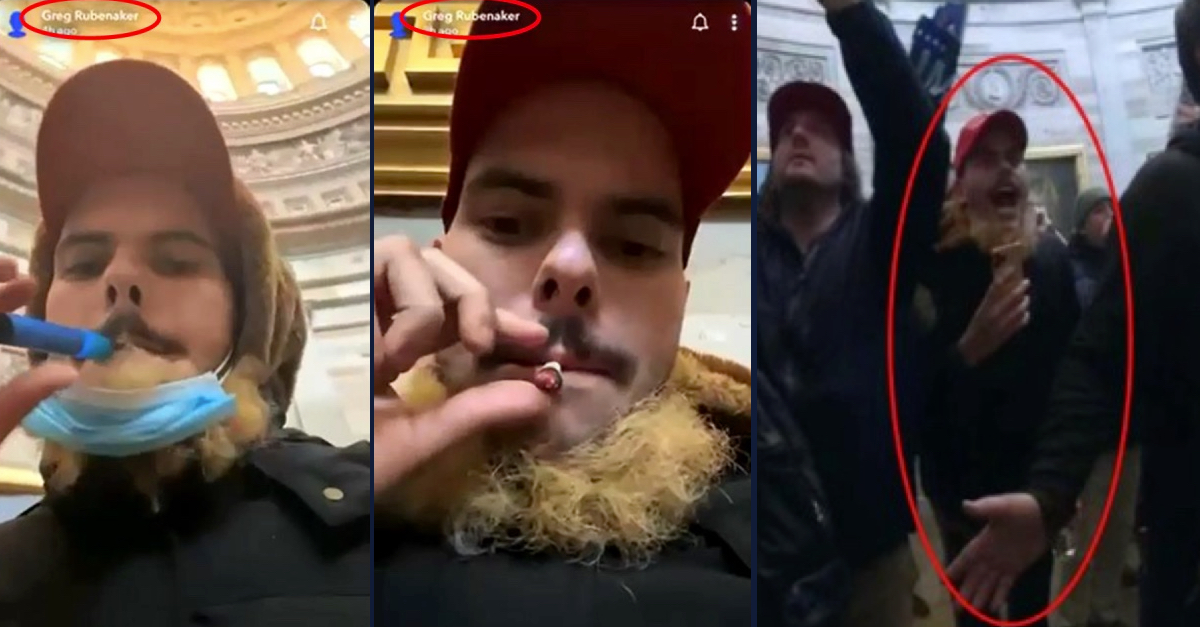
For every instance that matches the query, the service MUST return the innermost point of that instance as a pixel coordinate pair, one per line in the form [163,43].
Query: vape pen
[47,337]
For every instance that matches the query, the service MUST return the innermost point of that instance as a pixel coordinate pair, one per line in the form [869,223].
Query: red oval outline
[157,21]
[411,27]
[893,405]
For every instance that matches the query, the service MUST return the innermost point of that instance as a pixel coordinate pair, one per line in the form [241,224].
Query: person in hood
[1095,599]
[172,493]
[823,258]
[577,183]
[1005,306]
[1089,242]
[1162,232]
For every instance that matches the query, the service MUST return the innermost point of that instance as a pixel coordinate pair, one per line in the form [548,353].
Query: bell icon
[318,23]
[700,23]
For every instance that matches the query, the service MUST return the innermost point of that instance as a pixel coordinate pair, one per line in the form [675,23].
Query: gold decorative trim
[20,481]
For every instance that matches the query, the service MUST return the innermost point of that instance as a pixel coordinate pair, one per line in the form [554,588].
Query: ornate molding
[782,62]
[347,142]
[1015,86]
[1164,78]
[318,104]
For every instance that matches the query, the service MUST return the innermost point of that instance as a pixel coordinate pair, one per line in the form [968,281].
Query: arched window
[321,57]
[56,52]
[360,25]
[268,77]
[215,83]
[104,56]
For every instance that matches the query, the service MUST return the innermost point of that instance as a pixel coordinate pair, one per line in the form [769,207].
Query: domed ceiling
[289,82]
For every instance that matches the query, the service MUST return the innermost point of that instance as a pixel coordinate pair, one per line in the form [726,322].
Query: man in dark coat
[1005,305]
[822,261]
[182,501]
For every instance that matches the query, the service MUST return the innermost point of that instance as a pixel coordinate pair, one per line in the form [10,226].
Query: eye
[85,269]
[503,225]
[168,266]
[633,251]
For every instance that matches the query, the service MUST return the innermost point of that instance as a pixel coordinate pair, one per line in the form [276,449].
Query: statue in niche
[306,151]
[331,145]
[256,162]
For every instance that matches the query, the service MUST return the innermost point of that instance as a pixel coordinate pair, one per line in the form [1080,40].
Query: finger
[514,329]
[970,586]
[470,299]
[16,293]
[29,388]
[8,269]
[1011,296]
[413,330]
[962,564]
[403,443]
[985,591]
[1004,584]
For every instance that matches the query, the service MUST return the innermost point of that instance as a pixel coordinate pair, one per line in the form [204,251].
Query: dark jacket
[1161,211]
[983,419]
[266,545]
[702,580]
[820,317]
[1087,262]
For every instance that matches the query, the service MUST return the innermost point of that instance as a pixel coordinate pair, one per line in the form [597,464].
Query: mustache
[127,327]
[573,334]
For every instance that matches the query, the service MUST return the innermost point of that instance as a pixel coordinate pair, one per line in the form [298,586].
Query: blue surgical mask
[121,423]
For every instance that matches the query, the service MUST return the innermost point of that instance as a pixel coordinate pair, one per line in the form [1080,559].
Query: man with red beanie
[1004,296]
[1162,232]
[173,496]
[616,491]
[822,260]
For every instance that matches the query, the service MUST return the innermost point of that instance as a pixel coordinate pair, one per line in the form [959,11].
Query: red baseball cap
[128,117]
[1003,120]
[799,96]
[698,80]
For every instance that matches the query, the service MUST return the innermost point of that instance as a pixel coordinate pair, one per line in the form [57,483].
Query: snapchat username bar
[88,16]
[447,22]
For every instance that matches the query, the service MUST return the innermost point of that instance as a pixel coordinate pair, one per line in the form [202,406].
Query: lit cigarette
[549,378]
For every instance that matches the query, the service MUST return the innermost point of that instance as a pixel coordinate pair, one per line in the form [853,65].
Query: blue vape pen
[46,337]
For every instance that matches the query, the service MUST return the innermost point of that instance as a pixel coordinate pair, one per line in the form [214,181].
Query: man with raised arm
[825,255]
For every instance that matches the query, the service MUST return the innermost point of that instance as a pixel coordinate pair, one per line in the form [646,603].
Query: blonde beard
[214,451]
[628,492]
[960,227]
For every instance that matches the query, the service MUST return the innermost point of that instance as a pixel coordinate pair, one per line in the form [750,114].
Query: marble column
[1114,131]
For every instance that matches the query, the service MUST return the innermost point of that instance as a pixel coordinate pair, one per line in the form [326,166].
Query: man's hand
[427,302]
[1003,312]
[22,394]
[833,6]
[1013,538]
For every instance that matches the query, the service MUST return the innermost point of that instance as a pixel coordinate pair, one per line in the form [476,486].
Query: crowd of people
[1010,360]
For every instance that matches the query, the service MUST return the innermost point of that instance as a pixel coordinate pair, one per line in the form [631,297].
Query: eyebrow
[647,206]
[85,238]
[504,178]
[623,206]
[187,237]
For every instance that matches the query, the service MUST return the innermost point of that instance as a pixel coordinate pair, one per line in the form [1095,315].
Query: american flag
[936,44]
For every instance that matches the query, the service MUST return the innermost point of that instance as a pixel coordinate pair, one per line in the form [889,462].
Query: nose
[567,284]
[123,291]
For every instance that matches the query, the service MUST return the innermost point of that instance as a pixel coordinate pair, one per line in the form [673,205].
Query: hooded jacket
[1087,259]
[280,539]
[702,580]
[1161,212]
